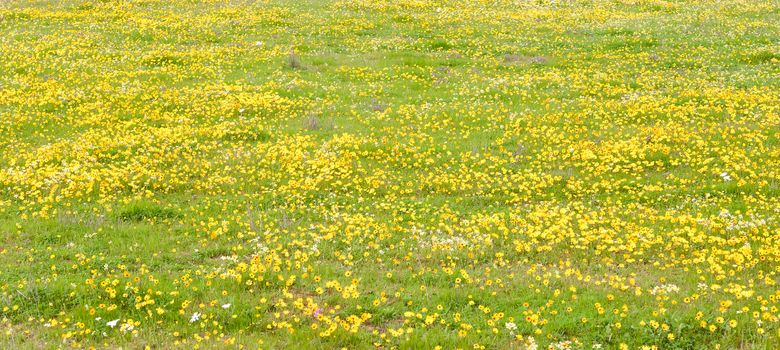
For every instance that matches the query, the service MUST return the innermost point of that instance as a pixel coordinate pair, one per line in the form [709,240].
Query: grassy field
[497,174]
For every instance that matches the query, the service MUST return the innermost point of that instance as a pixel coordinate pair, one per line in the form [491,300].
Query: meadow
[392,174]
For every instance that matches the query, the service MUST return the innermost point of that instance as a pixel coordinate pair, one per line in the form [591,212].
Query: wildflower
[511,326]
[530,343]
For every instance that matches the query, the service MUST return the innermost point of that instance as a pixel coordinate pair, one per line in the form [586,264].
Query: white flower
[531,343]
[226,306]
[725,176]
[665,289]
[113,323]
[195,317]
[511,326]
[258,43]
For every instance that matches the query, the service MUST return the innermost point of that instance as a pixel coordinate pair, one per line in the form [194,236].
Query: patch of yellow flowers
[479,174]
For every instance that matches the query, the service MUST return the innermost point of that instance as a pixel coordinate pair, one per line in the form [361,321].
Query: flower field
[327,174]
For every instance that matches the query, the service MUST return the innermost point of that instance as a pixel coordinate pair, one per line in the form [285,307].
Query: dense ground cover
[412,174]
